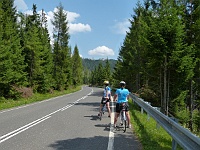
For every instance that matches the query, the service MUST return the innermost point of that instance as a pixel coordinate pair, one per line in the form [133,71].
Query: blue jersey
[122,95]
[108,89]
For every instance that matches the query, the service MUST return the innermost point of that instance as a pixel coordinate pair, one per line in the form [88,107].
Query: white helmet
[106,82]
[122,83]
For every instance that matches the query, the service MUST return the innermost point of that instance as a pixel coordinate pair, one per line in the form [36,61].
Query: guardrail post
[174,143]
[148,117]
[142,110]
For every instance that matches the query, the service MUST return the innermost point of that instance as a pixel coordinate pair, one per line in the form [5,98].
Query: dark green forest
[159,58]
[28,60]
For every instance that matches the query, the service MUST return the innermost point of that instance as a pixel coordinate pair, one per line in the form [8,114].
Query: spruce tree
[61,50]
[77,67]
[11,58]
[33,48]
[46,81]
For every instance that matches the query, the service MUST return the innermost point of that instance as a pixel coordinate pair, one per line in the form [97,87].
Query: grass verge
[150,134]
[9,103]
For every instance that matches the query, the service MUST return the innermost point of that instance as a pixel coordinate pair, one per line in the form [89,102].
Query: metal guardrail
[186,139]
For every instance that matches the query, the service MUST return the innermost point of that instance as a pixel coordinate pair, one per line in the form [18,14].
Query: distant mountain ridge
[90,64]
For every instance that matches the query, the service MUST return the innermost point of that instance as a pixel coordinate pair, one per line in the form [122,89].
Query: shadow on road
[122,142]
[97,143]
[93,117]
[105,126]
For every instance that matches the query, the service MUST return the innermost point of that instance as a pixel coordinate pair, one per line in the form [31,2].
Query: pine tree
[11,58]
[77,67]
[61,50]
[46,81]
[33,48]
[192,21]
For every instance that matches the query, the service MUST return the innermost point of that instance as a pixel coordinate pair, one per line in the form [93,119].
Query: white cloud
[79,27]
[21,5]
[101,51]
[122,27]
[71,16]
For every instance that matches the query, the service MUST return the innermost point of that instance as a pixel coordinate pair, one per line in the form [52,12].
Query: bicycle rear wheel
[123,121]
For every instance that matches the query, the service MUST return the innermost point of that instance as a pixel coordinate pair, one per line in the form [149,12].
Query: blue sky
[97,27]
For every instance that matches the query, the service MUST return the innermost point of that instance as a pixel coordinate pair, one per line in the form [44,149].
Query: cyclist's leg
[116,117]
[128,115]
[108,108]
[100,107]
[116,113]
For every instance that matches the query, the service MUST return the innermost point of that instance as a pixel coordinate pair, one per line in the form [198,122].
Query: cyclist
[106,97]
[122,96]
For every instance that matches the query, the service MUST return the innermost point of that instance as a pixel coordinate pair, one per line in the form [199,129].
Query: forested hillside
[90,64]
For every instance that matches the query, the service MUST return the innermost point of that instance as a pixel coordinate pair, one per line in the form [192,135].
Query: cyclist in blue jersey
[122,96]
[106,98]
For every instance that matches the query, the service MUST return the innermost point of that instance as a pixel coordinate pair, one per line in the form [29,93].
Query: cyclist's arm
[128,97]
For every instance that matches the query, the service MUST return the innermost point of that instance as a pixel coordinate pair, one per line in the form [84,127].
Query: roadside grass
[149,133]
[9,103]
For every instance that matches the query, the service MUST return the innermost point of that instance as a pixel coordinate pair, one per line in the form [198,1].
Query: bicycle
[103,109]
[123,116]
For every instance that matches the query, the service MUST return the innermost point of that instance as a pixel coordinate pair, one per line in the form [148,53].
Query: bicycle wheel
[125,125]
[123,121]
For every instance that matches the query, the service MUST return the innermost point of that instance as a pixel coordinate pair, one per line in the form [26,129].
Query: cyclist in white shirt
[106,97]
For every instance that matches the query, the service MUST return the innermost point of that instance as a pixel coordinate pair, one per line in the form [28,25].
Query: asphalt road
[67,122]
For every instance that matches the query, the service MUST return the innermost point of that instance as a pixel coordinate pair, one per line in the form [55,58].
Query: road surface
[66,122]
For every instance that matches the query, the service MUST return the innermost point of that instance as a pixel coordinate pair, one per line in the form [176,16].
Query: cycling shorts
[119,107]
[104,100]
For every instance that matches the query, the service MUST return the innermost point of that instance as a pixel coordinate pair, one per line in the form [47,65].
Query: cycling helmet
[106,82]
[122,83]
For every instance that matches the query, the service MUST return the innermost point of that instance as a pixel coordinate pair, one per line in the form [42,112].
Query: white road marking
[27,126]
[21,129]
[111,133]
